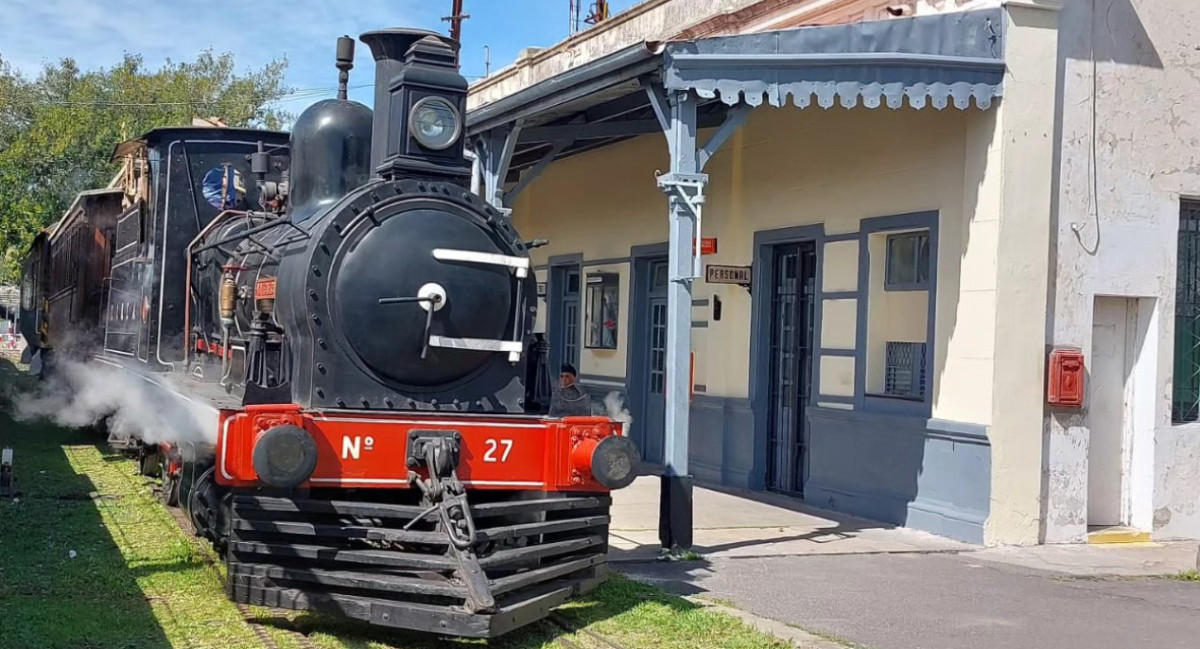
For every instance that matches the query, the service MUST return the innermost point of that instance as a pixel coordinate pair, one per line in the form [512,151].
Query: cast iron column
[675,504]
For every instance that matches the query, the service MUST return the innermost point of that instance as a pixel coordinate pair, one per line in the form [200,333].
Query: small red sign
[708,246]
[264,289]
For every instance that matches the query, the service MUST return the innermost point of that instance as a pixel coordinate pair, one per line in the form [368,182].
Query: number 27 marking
[493,446]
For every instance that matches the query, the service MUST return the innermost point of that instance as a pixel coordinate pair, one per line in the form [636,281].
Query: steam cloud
[614,407]
[86,394]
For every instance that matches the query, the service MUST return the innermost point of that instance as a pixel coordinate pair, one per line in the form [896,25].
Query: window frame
[918,283]
[1187,315]
[604,283]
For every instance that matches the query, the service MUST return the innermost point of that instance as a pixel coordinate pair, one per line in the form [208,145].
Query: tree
[58,130]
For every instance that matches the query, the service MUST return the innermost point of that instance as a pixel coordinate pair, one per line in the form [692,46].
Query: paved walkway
[877,587]
[757,525]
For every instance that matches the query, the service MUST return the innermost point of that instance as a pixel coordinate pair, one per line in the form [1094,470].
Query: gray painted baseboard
[927,474]
[902,470]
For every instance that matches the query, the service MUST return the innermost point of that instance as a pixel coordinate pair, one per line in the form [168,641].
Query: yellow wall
[892,316]
[840,272]
[837,376]
[1024,140]
[786,167]
[839,324]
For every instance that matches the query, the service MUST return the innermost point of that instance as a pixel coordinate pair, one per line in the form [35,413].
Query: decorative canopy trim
[943,60]
[850,94]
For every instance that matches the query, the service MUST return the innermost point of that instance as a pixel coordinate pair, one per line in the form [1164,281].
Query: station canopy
[952,60]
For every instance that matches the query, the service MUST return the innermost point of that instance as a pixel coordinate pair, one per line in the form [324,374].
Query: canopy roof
[953,59]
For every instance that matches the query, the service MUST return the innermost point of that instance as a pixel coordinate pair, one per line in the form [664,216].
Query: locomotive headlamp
[435,123]
[284,456]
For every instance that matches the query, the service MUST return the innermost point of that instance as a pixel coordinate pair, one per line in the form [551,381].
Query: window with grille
[1185,402]
[904,370]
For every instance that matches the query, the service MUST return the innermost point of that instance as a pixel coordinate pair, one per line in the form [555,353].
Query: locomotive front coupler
[437,451]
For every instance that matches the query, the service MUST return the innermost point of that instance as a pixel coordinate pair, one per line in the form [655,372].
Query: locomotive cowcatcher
[378,446]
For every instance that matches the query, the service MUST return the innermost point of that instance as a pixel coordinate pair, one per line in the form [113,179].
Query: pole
[456,19]
[675,504]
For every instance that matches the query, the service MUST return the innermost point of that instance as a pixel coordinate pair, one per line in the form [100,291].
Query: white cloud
[97,33]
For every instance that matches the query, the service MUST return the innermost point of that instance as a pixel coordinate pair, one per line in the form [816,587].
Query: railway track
[556,623]
[257,626]
[560,624]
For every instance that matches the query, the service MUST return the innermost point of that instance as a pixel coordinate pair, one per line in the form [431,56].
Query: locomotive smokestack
[416,71]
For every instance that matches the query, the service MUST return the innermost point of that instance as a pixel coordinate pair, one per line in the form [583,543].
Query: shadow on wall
[1116,33]
[1108,31]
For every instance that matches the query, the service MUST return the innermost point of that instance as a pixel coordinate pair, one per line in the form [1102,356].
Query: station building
[926,229]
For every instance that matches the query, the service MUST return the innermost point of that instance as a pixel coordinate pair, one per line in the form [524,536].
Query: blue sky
[97,33]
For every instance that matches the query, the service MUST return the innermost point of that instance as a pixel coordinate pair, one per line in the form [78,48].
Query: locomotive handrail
[258,229]
[187,304]
[519,264]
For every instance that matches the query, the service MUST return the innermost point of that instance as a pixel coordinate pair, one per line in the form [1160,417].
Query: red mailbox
[1064,387]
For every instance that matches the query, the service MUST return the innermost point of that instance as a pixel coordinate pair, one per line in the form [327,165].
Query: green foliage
[58,130]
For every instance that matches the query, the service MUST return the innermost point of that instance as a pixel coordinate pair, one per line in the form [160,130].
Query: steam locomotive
[363,335]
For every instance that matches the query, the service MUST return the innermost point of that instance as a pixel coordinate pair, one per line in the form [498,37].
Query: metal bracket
[689,188]
[450,442]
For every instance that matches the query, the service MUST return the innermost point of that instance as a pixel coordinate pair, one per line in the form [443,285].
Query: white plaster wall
[1130,141]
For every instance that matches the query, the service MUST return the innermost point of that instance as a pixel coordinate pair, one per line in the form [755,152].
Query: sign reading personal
[727,275]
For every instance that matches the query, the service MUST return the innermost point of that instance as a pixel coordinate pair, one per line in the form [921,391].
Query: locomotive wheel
[150,462]
[169,491]
[208,511]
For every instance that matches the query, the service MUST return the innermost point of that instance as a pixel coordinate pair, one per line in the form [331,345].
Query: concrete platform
[751,524]
[1104,560]
[823,580]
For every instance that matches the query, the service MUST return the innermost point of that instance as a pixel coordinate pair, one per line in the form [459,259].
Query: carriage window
[602,300]
[27,288]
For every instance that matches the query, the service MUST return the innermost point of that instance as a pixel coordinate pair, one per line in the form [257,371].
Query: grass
[1190,575]
[138,581]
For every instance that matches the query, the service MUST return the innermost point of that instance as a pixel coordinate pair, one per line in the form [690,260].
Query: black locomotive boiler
[362,335]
